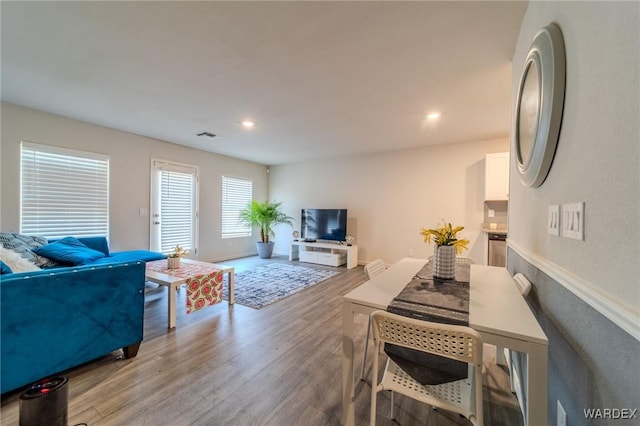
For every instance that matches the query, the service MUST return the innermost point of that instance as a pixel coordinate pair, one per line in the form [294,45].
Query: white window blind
[176,210]
[236,196]
[63,192]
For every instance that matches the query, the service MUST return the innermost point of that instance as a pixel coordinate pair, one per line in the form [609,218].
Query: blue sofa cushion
[131,256]
[69,251]
[4,268]
[96,243]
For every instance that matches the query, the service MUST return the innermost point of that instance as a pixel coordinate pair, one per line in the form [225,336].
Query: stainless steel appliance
[497,249]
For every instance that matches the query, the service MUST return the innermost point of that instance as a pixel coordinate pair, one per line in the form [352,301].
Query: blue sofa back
[100,244]
[52,320]
[96,243]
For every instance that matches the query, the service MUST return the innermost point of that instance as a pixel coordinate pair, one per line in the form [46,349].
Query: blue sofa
[57,318]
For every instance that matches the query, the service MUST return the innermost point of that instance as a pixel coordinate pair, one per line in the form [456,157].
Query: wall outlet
[573,221]
[491,213]
[553,220]
[562,416]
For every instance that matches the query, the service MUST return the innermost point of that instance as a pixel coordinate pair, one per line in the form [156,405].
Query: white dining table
[497,311]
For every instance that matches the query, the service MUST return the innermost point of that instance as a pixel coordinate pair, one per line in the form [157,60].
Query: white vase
[173,262]
[444,262]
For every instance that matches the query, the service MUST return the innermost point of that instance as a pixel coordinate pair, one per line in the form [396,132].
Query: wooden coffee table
[173,283]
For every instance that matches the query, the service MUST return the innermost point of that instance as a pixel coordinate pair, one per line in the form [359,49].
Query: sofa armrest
[53,320]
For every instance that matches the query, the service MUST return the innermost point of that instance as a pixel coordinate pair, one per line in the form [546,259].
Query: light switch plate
[573,221]
[553,220]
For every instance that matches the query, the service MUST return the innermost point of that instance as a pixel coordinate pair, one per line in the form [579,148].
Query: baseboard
[620,314]
[230,257]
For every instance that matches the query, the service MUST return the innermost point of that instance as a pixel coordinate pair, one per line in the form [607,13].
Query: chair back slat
[446,340]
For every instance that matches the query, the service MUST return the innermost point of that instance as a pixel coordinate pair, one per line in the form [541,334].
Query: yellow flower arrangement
[179,252]
[445,235]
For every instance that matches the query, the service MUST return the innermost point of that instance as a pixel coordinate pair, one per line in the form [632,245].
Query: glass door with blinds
[174,206]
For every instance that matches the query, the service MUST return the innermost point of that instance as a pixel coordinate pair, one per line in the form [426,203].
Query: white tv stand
[331,254]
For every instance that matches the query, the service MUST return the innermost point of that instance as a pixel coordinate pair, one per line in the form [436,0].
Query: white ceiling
[320,79]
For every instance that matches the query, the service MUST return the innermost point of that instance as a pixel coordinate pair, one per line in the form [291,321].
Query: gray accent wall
[593,363]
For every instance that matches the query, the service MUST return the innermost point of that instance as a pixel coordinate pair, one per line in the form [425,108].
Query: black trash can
[45,403]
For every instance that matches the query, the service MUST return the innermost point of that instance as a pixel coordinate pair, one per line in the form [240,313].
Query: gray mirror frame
[548,54]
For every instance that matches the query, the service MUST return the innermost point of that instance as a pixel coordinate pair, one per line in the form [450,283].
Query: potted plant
[265,215]
[447,245]
[173,260]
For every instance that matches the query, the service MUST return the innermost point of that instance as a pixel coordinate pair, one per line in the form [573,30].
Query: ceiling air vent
[207,134]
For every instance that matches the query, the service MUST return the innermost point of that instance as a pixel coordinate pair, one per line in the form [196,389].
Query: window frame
[69,179]
[241,230]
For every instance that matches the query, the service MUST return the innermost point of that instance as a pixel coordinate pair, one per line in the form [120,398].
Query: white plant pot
[444,262]
[173,263]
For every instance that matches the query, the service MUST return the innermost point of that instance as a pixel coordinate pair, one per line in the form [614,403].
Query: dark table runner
[437,300]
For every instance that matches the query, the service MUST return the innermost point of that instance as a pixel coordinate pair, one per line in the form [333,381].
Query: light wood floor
[280,365]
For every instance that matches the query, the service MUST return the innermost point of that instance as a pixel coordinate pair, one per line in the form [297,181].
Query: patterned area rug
[267,284]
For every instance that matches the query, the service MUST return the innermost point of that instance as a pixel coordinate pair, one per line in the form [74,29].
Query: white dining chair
[448,341]
[376,267]
[371,269]
[522,283]
[461,260]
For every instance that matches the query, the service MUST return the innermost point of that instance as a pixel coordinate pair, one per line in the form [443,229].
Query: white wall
[391,196]
[130,157]
[597,159]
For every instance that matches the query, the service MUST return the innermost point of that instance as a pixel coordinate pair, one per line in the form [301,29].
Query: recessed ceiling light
[433,115]
[248,124]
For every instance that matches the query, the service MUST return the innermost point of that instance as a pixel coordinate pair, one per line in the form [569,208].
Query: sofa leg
[131,350]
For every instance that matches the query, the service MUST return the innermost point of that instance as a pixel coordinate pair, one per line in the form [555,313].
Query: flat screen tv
[324,224]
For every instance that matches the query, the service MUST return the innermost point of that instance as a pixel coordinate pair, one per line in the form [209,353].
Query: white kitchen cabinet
[496,176]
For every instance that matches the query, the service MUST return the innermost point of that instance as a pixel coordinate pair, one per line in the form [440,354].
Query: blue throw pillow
[4,268]
[70,251]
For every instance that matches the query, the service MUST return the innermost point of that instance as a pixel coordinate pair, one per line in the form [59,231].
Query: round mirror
[539,105]
[529,112]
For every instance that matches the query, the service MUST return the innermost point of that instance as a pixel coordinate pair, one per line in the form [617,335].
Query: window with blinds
[63,192]
[176,210]
[236,196]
